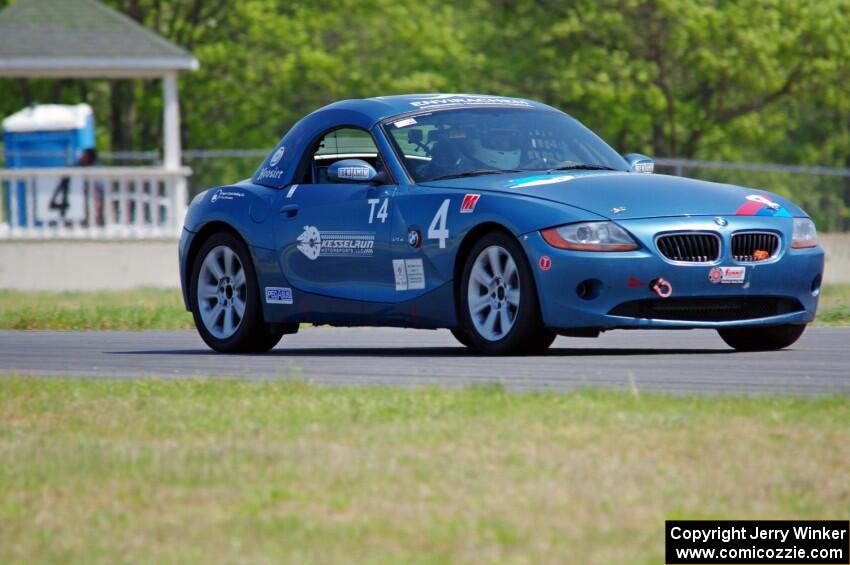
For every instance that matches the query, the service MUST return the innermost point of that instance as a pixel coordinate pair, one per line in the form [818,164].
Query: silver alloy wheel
[493,293]
[222,292]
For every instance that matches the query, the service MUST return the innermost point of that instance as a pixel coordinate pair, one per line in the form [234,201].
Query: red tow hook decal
[661,287]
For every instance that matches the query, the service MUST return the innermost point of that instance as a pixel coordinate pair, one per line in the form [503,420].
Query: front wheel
[498,299]
[225,298]
[462,337]
[765,338]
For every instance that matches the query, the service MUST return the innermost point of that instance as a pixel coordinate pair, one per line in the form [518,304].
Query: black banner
[818,542]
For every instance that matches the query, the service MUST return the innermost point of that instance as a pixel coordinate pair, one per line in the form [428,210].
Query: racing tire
[225,298]
[461,336]
[498,307]
[767,338]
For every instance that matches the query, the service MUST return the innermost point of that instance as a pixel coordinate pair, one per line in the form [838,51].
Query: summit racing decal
[314,243]
[761,205]
[466,99]
[538,180]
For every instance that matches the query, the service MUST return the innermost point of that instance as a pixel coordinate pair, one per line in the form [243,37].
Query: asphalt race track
[672,361]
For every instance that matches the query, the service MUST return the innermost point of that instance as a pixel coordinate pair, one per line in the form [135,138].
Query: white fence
[92,203]
[36,210]
[679,166]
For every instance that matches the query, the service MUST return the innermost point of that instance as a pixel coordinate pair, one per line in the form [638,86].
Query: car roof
[364,114]
[382,107]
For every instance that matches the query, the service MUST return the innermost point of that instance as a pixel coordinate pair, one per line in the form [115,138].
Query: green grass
[834,305]
[162,309]
[139,309]
[224,471]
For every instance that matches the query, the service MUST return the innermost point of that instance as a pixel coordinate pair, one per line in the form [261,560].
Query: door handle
[289,211]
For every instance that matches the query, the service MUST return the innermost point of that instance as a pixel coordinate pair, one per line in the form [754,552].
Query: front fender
[518,215]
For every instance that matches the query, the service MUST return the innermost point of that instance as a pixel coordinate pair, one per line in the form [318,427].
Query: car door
[333,238]
[426,221]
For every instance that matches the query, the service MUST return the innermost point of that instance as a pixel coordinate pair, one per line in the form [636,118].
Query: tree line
[751,80]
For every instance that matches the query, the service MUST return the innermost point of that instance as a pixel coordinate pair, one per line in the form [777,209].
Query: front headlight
[805,234]
[590,236]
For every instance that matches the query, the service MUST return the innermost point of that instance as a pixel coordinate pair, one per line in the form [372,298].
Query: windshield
[474,141]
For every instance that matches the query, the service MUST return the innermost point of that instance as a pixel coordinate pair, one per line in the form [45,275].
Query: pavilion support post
[172,150]
[171,121]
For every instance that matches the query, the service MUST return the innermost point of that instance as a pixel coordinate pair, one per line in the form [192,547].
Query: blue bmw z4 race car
[502,219]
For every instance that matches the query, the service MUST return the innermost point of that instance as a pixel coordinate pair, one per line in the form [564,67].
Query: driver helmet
[498,148]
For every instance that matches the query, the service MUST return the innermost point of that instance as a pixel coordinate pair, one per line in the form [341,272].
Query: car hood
[621,195]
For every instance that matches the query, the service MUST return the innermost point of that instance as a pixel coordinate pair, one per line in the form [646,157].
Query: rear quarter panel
[245,208]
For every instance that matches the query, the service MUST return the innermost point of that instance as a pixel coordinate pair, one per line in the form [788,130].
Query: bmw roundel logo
[278,155]
[722,222]
[414,238]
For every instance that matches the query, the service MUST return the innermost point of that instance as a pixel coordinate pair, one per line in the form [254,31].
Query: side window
[415,143]
[344,143]
[414,140]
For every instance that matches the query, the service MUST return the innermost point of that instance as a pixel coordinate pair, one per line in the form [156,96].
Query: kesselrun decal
[315,243]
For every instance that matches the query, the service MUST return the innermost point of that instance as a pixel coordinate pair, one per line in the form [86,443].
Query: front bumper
[602,290]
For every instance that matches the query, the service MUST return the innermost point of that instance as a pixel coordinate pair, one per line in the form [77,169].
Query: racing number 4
[382,211]
[438,230]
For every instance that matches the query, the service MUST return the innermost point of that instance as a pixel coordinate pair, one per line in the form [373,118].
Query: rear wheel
[225,298]
[498,300]
[767,338]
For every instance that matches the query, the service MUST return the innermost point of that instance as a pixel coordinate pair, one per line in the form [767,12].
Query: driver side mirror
[352,170]
[639,163]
